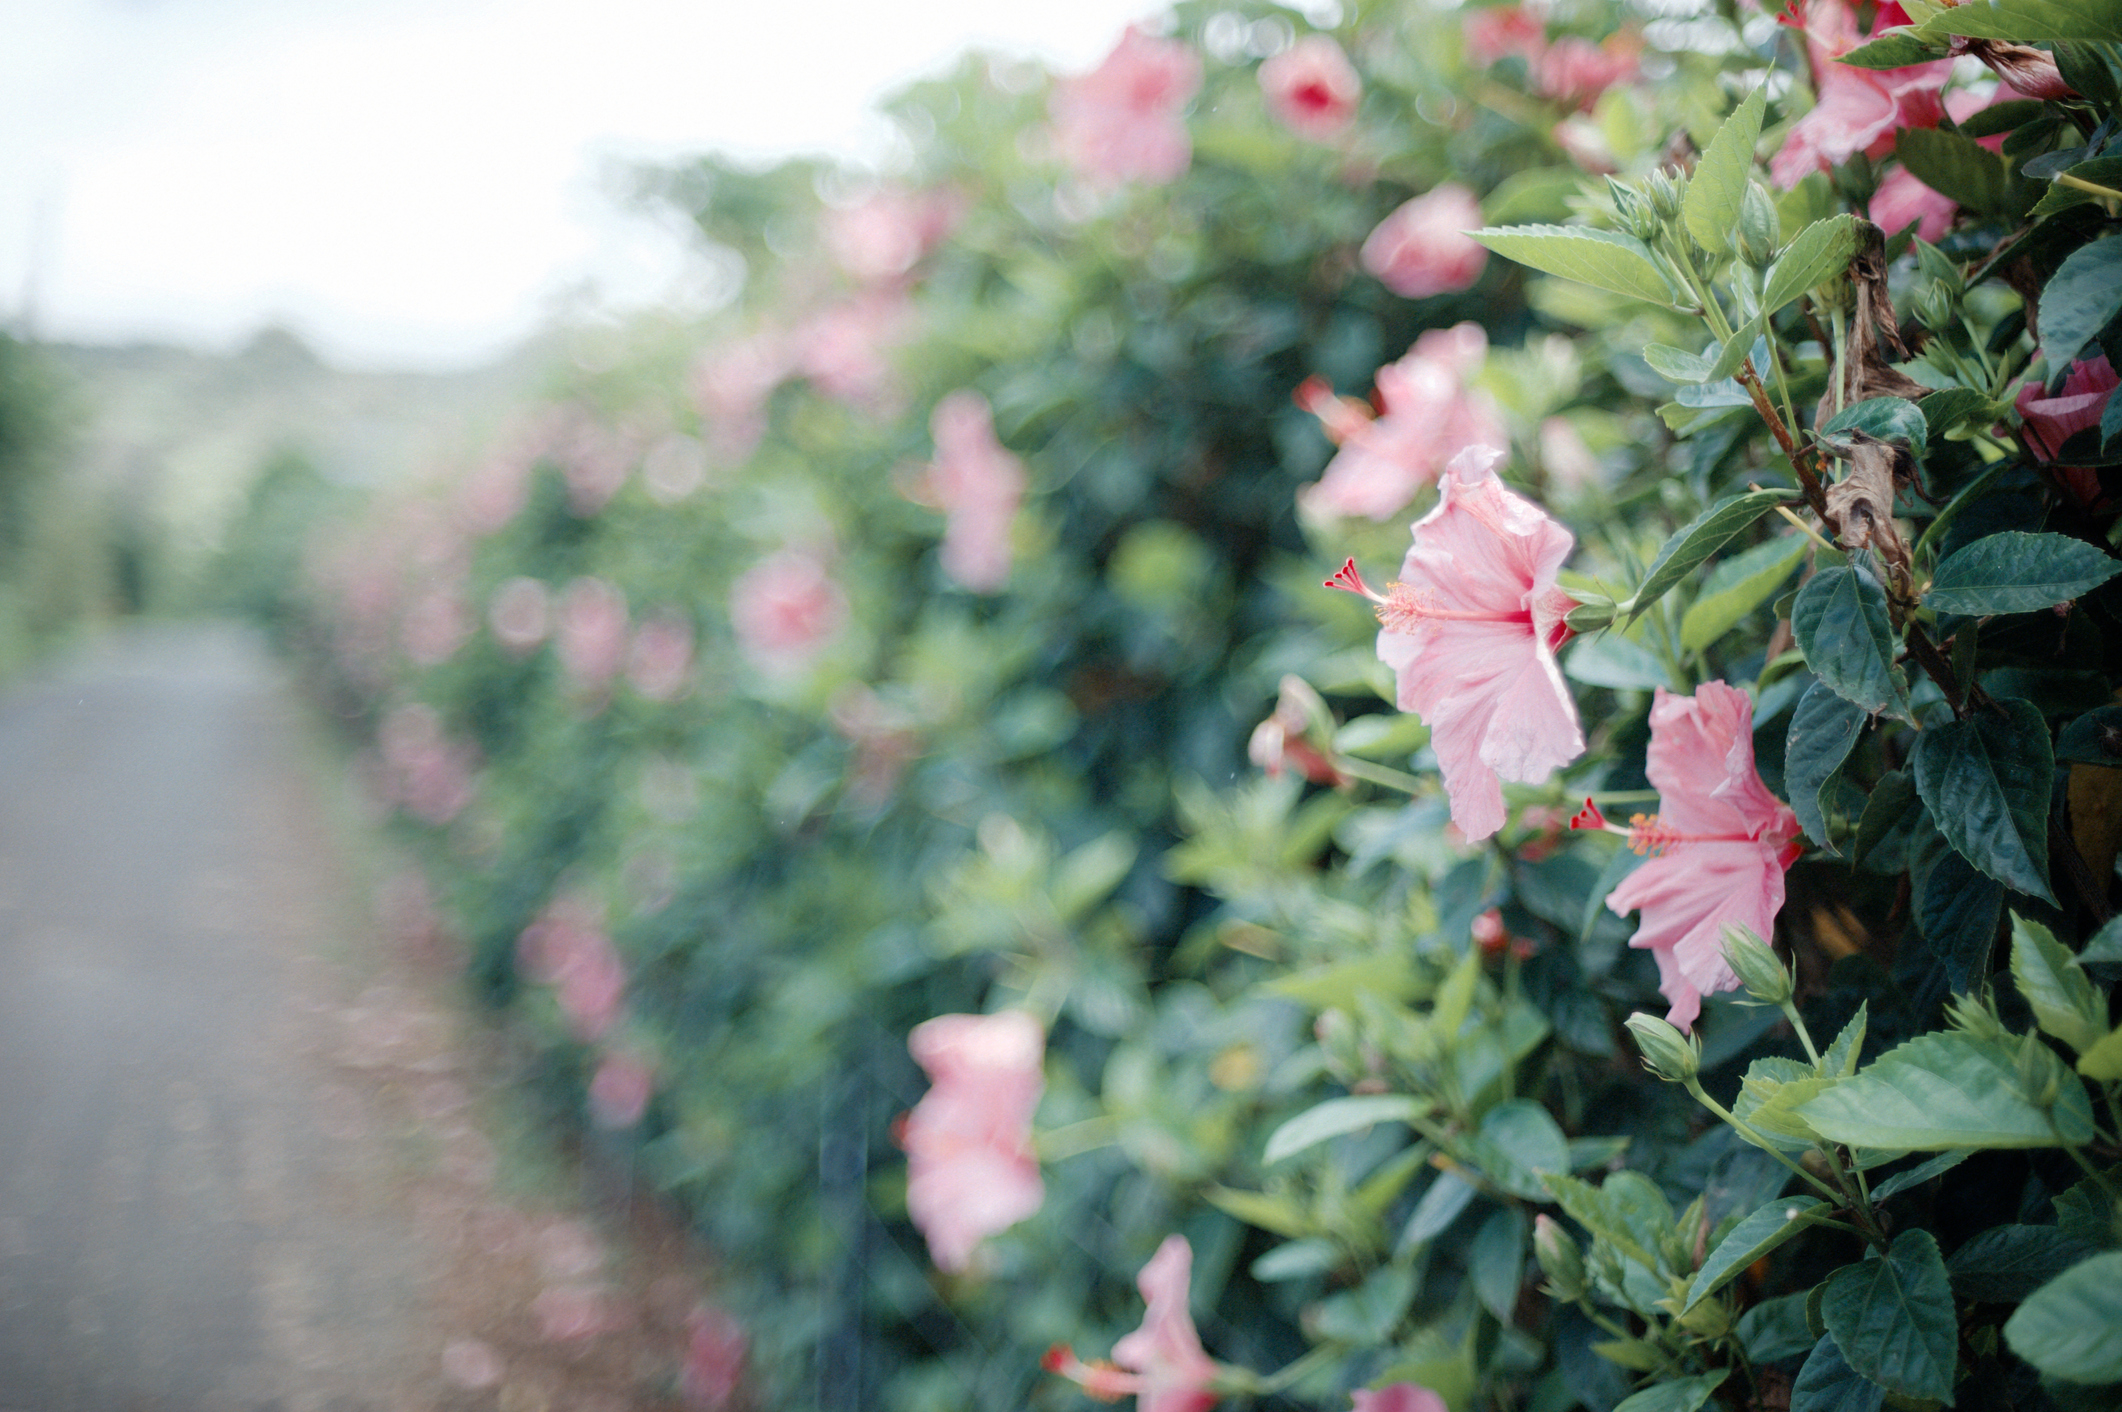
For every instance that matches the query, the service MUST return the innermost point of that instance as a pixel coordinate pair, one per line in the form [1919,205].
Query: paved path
[194,1212]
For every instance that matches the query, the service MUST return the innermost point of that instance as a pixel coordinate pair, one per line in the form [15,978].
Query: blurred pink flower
[1575,71]
[1423,248]
[883,236]
[595,459]
[732,384]
[784,609]
[573,1311]
[1283,740]
[1399,1397]
[715,1347]
[970,1170]
[1471,629]
[436,624]
[884,739]
[425,773]
[470,1363]
[845,349]
[659,661]
[589,632]
[1568,462]
[1502,30]
[1312,89]
[1168,1371]
[566,947]
[520,615]
[620,1090]
[1719,844]
[978,484]
[1855,110]
[1430,415]
[1122,121]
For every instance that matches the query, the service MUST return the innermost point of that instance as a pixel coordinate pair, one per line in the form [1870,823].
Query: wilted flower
[1423,248]
[1312,89]
[970,1169]
[784,609]
[1471,629]
[1718,845]
[1855,110]
[1121,121]
[2027,71]
[978,484]
[1430,416]
[1165,1366]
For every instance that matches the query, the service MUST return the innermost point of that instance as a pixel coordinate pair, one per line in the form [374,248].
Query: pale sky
[415,182]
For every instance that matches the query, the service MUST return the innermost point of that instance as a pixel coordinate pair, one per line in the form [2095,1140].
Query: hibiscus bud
[1637,217]
[2041,1073]
[1666,191]
[1590,617]
[1975,1017]
[1666,1052]
[1560,1259]
[1934,306]
[1760,228]
[1755,963]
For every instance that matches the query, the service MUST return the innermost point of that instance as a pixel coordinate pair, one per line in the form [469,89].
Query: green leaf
[1841,625]
[2028,20]
[2095,738]
[1887,419]
[1604,259]
[1775,1329]
[1847,1051]
[2061,994]
[1738,349]
[2079,300]
[1915,1176]
[1957,166]
[1698,539]
[1941,1090]
[1711,207]
[1685,1395]
[1441,1203]
[1256,1208]
[1338,1116]
[1986,781]
[1894,48]
[1822,731]
[1495,1262]
[1737,586]
[1367,1315]
[1518,1146]
[1296,1259]
[1888,807]
[1751,1239]
[2005,1264]
[1950,408]
[1604,1213]
[2084,68]
[2018,572]
[2103,1062]
[2100,171]
[1828,1384]
[1893,1318]
[1677,364]
[1820,252]
[1958,908]
[2071,1327]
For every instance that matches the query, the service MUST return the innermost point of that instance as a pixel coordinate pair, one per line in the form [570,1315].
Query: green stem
[1303,1366]
[1056,1144]
[1381,775]
[2077,1155]
[1805,1037]
[1955,505]
[1623,796]
[1753,1135]
[1834,356]
[2081,184]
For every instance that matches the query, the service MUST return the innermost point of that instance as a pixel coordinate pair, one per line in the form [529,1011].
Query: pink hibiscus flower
[620,1090]
[659,661]
[1423,247]
[978,484]
[1901,198]
[1471,629]
[970,1169]
[2047,422]
[589,632]
[1718,845]
[1503,30]
[883,236]
[1122,121]
[1312,89]
[715,1348]
[1399,1397]
[1165,1366]
[1575,71]
[1430,416]
[1855,110]
[784,610]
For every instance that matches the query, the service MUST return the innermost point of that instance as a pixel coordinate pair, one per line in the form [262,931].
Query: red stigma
[1057,1358]
[1349,581]
[1588,817]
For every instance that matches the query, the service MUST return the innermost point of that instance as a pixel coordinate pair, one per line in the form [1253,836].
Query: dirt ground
[248,1151]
